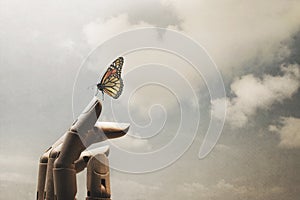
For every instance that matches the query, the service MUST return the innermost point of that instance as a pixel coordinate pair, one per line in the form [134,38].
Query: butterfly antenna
[91,86]
[102,96]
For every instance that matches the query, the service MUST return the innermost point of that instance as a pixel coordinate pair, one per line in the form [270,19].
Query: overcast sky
[255,45]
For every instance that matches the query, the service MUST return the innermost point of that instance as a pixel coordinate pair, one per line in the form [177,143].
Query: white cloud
[273,128]
[123,189]
[217,107]
[223,147]
[100,30]
[68,44]
[250,29]
[253,93]
[289,132]
[247,29]
[16,177]
[225,190]
[12,172]
[9,160]
[132,143]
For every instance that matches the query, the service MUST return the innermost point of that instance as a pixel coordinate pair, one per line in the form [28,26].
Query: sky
[254,44]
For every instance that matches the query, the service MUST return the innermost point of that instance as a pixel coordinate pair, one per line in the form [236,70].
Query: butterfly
[111,82]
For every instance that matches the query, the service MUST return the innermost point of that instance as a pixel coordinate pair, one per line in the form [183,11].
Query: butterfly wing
[114,88]
[111,82]
[114,69]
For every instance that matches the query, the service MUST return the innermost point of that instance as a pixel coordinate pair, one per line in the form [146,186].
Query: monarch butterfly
[111,82]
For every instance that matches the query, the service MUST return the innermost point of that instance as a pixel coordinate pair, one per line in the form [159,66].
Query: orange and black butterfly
[111,82]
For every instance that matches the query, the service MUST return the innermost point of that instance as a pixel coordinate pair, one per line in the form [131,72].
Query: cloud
[12,172]
[258,33]
[217,107]
[129,15]
[247,29]
[132,144]
[289,132]
[68,44]
[142,191]
[101,29]
[220,189]
[226,190]
[15,177]
[253,93]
